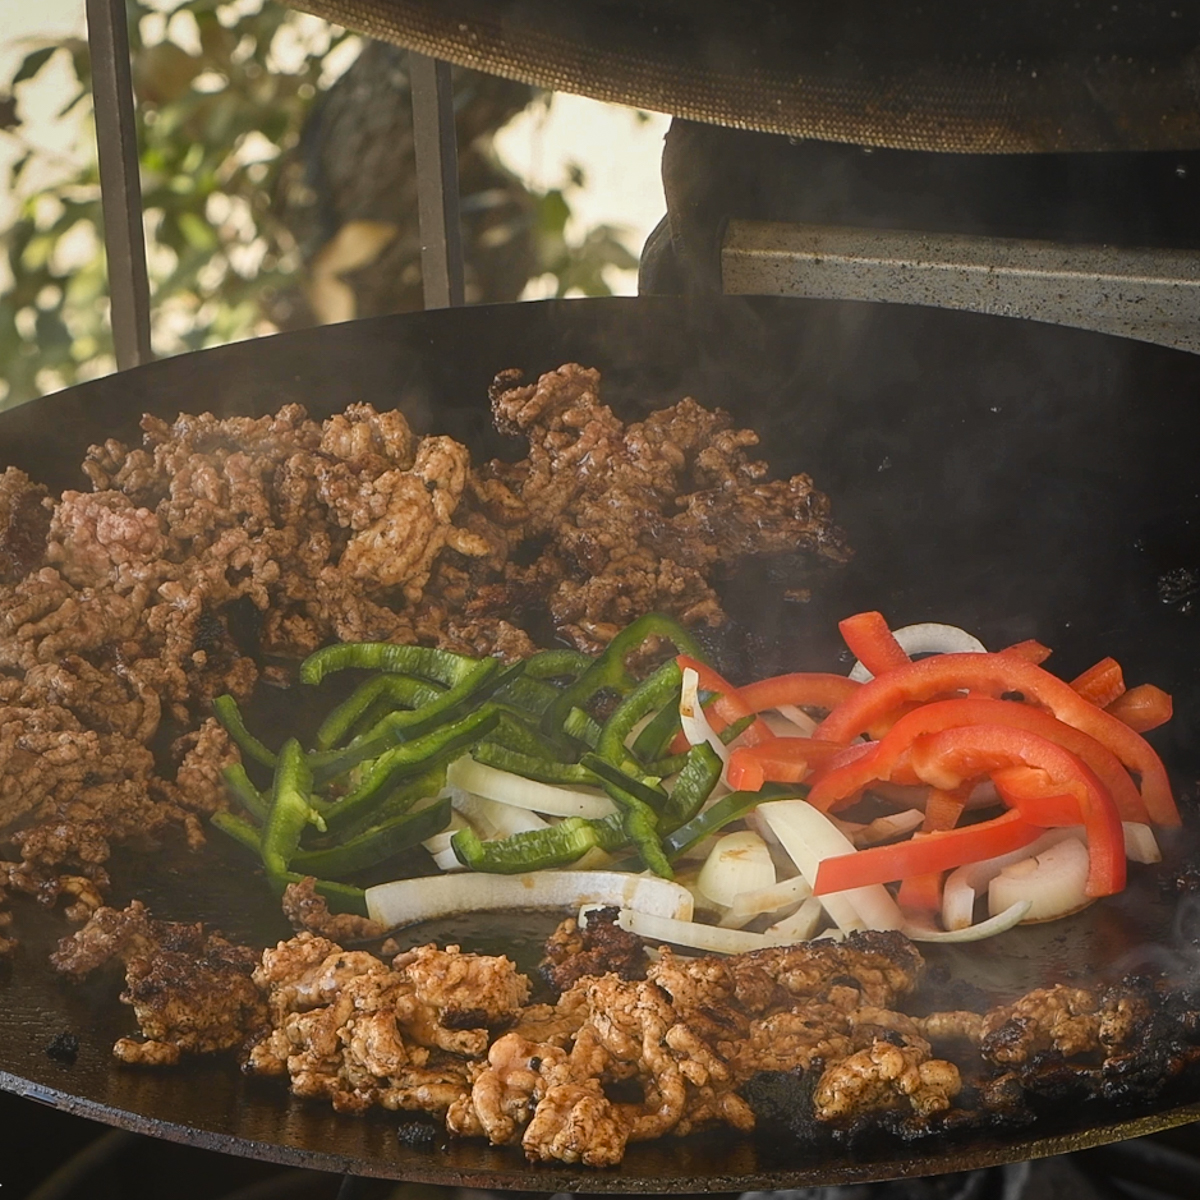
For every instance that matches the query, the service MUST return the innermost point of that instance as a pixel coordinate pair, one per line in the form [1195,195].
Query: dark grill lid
[983,77]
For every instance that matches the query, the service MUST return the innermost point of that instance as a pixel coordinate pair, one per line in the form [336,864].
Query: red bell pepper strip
[830,792]
[1101,683]
[872,642]
[1030,650]
[727,708]
[942,810]
[779,759]
[806,689]
[999,675]
[954,756]
[925,853]
[921,894]
[1142,708]
[1030,791]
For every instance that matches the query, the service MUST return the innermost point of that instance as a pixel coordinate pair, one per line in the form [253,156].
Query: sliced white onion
[894,825]
[694,719]
[1053,881]
[787,720]
[532,794]
[965,883]
[809,837]
[441,841]
[929,637]
[491,818]
[1140,845]
[408,901]
[739,862]
[801,926]
[784,894]
[446,860]
[712,939]
[1000,923]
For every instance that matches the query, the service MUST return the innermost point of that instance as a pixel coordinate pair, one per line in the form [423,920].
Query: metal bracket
[120,185]
[435,149]
[1148,295]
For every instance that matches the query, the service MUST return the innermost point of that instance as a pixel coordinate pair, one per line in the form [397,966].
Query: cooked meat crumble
[124,607]
[812,1037]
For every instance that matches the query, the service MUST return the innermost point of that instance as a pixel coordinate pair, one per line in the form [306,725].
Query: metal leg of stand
[120,187]
[436,153]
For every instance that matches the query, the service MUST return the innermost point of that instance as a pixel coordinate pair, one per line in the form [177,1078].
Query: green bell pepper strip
[640,823]
[528,766]
[645,788]
[377,843]
[239,829]
[652,694]
[245,793]
[395,804]
[392,691]
[290,813]
[557,664]
[675,763]
[583,728]
[438,666]
[699,776]
[411,758]
[533,850]
[530,697]
[345,897]
[225,709]
[609,670]
[406,726]
[516,734]
[728,808]
[658,733]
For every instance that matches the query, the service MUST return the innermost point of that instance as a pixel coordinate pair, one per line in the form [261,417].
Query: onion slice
[781,895]
[1054,882]
[929,637]
[965,883]
[547,798]
[694,719]
[739,862]
[712,939]
[801,926]
[809,837]
[409,901]
[492,818]
[1000,923]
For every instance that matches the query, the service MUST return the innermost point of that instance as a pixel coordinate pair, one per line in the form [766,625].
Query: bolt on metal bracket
[1147,295]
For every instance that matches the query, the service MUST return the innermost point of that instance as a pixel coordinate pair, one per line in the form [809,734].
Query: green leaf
[32,64]
[198,233]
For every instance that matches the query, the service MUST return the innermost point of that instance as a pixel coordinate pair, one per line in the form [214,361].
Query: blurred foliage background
[278,187]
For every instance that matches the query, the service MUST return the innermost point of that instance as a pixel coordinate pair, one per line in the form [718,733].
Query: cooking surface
[1019,480]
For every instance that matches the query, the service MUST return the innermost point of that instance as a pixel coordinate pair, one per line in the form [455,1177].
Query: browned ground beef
[117,605]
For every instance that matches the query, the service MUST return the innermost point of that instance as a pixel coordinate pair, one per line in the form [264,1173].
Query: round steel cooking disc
[1018,479]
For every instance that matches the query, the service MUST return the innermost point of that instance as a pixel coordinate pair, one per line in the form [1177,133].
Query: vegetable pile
[778,808]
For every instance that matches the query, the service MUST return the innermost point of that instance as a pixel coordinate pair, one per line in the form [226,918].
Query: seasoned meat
[600,948]
[24,521]
[307,909]
[633,518]
[886,1075]
[347,1027]
[191,991]
[1059,1018]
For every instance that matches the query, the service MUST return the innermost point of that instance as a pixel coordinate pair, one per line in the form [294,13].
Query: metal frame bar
[120,185]
[1147,295]
[435,149]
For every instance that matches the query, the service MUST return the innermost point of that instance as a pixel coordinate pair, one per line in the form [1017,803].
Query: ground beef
[126,607]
